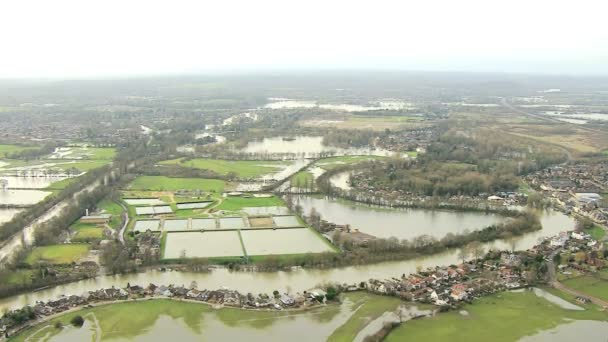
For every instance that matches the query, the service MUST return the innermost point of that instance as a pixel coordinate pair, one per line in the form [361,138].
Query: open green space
[593,286]
[88,233]
[241,168]
[302,179]
[57,254]
[62,184]
[167,183]
[596,232]
[238,203]
[507,316]
[6,150]
[112,208]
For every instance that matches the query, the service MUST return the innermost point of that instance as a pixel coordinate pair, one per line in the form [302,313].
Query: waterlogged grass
[368,308]
[238,203]
[129,320]
[507,316]
[302,179]
[57,254]
[161,183]
[242,168]
[62,184]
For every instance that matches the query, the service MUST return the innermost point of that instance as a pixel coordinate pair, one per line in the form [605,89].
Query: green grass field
[238,203]
[88,233]
[62,184]
[113,208]
[302,179]
[242,168]
[590,285]
[57,254]
[8,149]
[165,183]
[596,232]
[507,316]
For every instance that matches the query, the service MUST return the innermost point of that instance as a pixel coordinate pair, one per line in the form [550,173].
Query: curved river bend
[299,280]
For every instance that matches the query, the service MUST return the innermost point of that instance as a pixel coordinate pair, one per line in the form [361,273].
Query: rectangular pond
[283,241]
[175,225]
[265,211]
[143,201]
[232,223]
[195,205]
[207,224]
[203,245]
[163,209]
[144,225]
[286,221]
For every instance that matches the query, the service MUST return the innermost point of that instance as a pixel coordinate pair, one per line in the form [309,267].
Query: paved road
[602,303]
[125,215]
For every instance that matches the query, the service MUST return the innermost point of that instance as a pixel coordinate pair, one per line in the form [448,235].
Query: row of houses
[223,297]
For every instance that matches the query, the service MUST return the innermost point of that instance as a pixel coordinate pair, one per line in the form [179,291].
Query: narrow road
[602,303]
[125,215]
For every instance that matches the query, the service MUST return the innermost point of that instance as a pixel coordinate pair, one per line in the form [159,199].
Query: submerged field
[514,315]
[185,321]
[503,317]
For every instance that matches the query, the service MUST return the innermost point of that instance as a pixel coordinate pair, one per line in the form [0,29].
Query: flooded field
[388,104]
[203,245]
[22,197]
[7,214]
[206,224]
[400,223]
[161,320]
[265,210]
[341,181]
[143,201]
[144,225]
[175,225]
[591,331]
[286,221]
[162,209]
[197,205]
[283,241]
[306,146]
[30,182]
[232,223]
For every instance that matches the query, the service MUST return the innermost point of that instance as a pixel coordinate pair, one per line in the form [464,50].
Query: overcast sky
[92,38]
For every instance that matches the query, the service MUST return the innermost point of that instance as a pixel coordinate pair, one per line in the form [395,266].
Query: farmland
[241,168]
[162,183]
[57,254]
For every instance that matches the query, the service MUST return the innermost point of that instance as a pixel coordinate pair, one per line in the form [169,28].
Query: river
[299,280]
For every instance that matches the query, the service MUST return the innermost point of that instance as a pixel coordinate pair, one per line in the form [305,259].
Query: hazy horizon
[71,39]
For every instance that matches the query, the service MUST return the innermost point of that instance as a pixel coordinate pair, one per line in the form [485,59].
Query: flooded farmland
[22,197]
[306,146]
[203,245]
[399,223]
[30,182]
[283,241]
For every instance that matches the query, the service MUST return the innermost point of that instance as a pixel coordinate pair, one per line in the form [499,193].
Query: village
[446,287]
[576,188]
